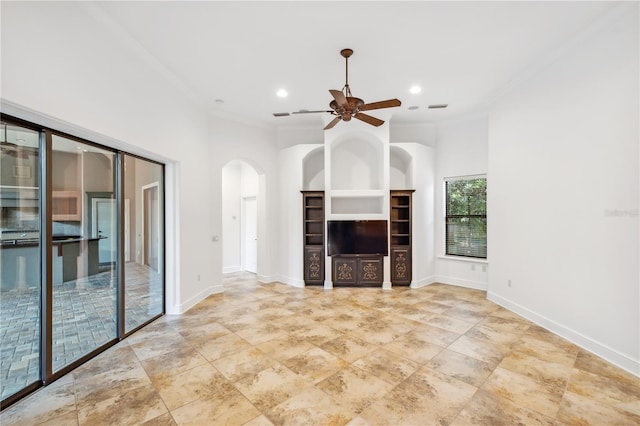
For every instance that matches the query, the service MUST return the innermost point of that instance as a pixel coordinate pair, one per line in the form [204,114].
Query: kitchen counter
[30,242]
[73,257]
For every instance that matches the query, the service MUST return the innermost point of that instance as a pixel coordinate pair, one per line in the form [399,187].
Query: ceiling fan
[345,106]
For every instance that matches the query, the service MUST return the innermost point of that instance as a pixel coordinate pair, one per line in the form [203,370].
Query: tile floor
[263,354]
[83,319]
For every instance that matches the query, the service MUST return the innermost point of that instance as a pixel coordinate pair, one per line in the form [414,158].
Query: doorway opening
[241,201]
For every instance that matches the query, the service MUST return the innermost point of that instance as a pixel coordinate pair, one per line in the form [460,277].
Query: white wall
[563,193]
[461,151]
[423,133]
[291,162]
[421,175]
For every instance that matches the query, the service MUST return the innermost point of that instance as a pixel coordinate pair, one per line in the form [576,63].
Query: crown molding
[530,70]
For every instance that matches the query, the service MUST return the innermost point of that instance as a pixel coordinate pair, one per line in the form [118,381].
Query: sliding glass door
[19,258]
[81,252]
[143,241]
[84,256]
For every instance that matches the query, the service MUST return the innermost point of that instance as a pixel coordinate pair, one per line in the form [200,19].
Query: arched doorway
[240,213]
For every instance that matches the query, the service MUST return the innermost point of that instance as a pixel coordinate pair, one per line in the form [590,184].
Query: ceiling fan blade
[369,119]
[280,114]
[389,103]
[309,112]
[340,98]
[332,123]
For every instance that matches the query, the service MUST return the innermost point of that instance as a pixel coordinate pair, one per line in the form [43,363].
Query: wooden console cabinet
[313,234]
[400,247]
[357,270]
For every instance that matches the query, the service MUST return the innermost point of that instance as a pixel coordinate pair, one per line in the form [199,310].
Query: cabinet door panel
[370,271]
[401,265]
[314,265]
[344,271]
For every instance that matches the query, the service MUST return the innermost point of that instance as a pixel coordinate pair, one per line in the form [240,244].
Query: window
[466,217]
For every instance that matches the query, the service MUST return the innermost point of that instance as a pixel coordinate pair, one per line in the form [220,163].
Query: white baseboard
[194,300]
[477,285]
[231,269]
[293,282]
[422,282]
[266,279]
[599,349]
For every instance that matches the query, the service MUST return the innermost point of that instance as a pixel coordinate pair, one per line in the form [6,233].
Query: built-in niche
[358,176]
[357,164]
[400,168]
[313,170]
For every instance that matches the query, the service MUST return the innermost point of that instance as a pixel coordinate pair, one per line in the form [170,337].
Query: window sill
[464,259]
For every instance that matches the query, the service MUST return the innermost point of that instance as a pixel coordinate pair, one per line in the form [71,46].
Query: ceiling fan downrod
[346,53]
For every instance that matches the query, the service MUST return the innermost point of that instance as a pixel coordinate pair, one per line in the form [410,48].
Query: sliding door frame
[46,374]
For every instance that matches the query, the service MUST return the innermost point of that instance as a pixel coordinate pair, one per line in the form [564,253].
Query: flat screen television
[357,237]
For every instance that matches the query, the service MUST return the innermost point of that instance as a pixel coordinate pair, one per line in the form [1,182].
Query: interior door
[104,223]
[250,234]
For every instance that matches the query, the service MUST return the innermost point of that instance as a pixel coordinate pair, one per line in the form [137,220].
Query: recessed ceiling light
[414,107]
[415,89]
[282,93]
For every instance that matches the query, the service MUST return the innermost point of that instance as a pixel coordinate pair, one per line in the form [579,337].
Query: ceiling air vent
[436,106]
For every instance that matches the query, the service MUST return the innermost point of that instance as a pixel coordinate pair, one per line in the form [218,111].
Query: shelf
[357,205]
[313,236]
[357,193]
[400,232]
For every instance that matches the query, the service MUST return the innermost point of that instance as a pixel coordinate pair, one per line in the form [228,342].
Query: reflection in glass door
[144,240]
[81,252]
[19,259]
[84,271]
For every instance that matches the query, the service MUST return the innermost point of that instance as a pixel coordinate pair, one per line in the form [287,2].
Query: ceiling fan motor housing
[352,107]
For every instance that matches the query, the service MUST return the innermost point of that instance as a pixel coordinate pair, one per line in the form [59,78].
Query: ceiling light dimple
[415,89]
[282,93]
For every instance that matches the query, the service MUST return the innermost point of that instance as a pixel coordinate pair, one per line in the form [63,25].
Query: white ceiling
[460,53]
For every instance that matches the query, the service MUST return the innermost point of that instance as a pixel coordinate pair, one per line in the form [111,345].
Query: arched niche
[400,168]
[357,162]
[313,170]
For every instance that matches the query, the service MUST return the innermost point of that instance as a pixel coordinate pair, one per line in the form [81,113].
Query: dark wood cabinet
[313,235]
[400,247]
[357,270]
